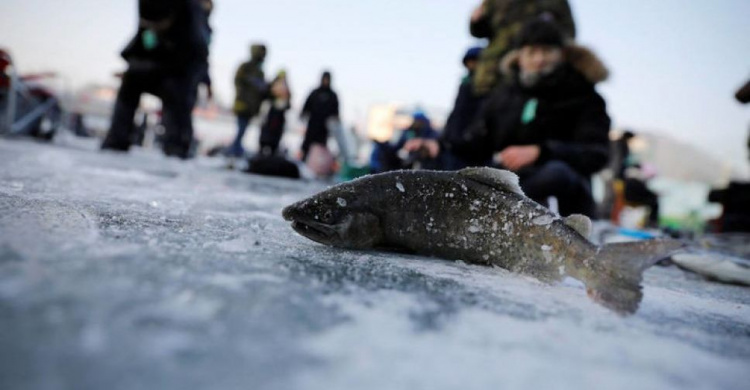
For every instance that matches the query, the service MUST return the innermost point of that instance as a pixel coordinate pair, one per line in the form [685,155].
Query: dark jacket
[465,110]
[322,104]
[563,114]
[170,36]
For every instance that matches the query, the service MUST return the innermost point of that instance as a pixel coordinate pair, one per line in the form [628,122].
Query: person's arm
[589,152]
[306,107]
[335,105]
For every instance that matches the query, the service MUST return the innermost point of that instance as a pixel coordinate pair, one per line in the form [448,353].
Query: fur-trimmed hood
[580,58]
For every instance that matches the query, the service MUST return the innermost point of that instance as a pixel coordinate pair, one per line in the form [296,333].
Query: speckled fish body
[478,215]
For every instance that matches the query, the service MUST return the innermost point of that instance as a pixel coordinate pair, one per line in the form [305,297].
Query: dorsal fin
[579,223]
[495,178]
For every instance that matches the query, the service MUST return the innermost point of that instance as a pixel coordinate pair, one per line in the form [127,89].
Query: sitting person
[407,152]
[465,110]
[549,125]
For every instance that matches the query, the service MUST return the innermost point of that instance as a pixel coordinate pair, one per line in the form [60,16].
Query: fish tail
[617,271]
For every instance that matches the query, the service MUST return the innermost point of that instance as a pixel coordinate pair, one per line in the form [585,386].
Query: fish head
[335,218]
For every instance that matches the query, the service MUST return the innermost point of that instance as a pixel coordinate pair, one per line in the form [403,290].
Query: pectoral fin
[579,223]
[496,178]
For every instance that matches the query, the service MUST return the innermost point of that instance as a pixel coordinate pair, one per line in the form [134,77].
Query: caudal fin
[617,271]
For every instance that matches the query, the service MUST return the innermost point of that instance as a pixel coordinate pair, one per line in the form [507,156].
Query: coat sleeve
[335,110]
[306,107]
[475,138]
[588,153]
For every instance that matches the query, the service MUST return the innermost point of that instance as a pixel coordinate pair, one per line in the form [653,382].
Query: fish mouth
[315,231]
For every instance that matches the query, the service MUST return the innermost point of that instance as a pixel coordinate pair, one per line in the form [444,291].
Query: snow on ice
[139,271]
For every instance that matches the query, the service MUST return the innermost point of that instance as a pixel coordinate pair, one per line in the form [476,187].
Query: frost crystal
[341,202]
[400,187]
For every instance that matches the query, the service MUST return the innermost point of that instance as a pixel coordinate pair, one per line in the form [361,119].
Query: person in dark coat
[164,59]
[408,152]
[252,90]
[464,112]
[273,126]
[550,125]
[321,105]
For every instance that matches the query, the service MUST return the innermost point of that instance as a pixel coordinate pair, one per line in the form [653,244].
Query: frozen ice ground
[141,272]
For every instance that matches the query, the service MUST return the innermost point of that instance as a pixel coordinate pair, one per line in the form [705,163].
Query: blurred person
[464,111]
[412,150]
[500,21]
[622,156]
[164,59]
[203,76]
[636,191]
[549,125]
[321,105]
[273,126]
[419,157]
[252,90]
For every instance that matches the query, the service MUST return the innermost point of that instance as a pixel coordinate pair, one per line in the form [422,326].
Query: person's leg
[636,191]
[305,148]
[236,149]
[555,178]
[120,133]
[278,133]
[178,121]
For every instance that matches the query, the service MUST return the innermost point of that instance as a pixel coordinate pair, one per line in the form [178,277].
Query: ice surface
[139,271]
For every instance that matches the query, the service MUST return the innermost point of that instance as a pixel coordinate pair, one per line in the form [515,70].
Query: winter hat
[472,54]
[258,51]
[540,32]
[420,116]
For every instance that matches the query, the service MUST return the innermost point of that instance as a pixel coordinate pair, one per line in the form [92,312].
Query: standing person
[500,21]
[273,127]
[252,89]
[320,106]
[163,59]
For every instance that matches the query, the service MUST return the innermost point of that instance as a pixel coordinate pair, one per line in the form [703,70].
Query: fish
[480,216]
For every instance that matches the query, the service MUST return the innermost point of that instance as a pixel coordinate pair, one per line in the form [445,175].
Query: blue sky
[675,63]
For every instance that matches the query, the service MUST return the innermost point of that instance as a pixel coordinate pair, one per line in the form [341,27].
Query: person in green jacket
[500,21]
[252,89]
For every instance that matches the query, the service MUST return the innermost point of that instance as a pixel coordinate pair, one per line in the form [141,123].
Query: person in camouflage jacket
[252,90]
[500,21]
